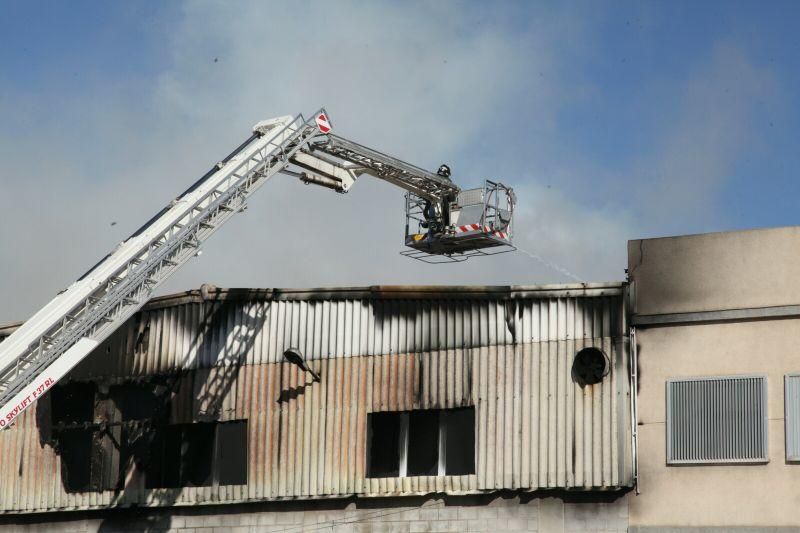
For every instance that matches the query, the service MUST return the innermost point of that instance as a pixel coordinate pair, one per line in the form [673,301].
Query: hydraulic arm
[77,320]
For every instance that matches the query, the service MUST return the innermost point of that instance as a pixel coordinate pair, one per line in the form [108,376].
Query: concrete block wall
[495,514]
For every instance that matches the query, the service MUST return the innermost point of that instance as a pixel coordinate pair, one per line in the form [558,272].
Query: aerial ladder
[442,223]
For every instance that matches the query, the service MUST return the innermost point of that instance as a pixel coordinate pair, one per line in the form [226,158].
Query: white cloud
[425,85]
[428,83]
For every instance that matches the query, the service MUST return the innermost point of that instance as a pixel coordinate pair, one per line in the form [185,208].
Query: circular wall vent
[590,366]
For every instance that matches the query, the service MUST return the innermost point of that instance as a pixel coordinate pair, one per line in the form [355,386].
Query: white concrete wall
[732,495]
[715,272]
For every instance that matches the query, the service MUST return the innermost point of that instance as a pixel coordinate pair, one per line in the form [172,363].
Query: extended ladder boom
[68,328]
[77,320]
[369,161]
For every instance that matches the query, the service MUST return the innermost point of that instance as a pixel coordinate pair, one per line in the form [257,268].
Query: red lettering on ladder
[26,402]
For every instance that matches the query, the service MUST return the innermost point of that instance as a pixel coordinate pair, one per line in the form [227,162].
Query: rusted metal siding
[509,357]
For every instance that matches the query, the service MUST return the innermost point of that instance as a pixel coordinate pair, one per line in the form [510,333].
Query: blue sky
[612,120]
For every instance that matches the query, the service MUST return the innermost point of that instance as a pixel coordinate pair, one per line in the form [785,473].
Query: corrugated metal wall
[508,356]
[218,332]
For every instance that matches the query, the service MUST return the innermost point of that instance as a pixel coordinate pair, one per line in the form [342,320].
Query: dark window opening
[138,401]
[85,449]
[232,453]
[162,466]
[384,456]
[198,455]
[197,452]
[136,447]
[87,459]
[76,452]
[460,441]
[421,443]
[100,438]
[72,403]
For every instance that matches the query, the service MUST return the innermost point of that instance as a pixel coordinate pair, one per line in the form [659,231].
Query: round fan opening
[590,366]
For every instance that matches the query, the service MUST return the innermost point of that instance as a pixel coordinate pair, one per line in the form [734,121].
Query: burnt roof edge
[209,292]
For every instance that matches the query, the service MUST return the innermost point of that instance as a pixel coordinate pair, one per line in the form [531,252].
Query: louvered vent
[792,407]
[717,420]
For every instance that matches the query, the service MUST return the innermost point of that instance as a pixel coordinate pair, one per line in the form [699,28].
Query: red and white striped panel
[467,228]
[485,229]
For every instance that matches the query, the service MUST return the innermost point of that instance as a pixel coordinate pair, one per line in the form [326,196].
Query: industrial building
[436,407]
[668,402]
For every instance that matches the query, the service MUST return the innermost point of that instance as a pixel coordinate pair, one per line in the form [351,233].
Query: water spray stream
[554,266]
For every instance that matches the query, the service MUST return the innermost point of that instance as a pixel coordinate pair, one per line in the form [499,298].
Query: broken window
[99,437]
[72,403]
[421,443]
[76,452]
[197,455]
[88,459]
[137,401]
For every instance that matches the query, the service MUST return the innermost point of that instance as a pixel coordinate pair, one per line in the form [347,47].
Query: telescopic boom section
[411,178]
[46,347]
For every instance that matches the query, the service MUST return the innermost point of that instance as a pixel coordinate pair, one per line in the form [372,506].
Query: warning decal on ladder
[323,124]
